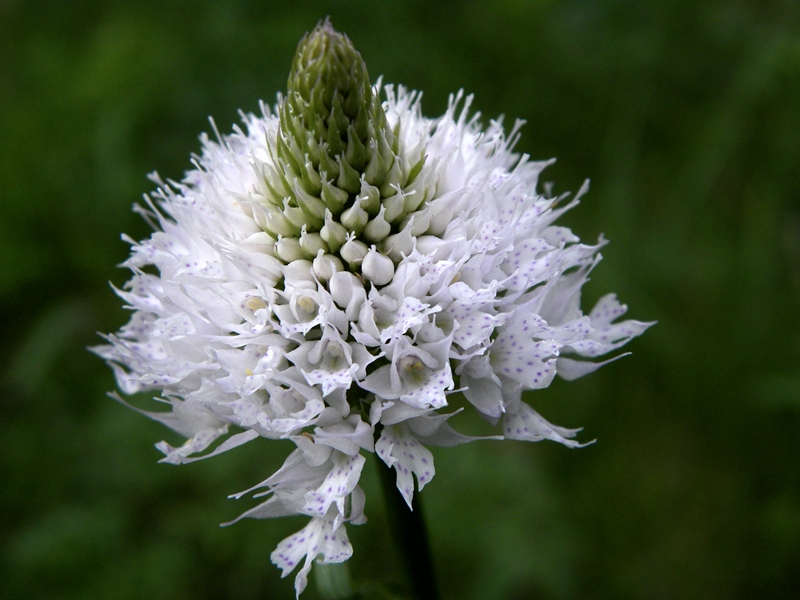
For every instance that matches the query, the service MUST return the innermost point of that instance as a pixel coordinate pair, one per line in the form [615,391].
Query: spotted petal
[318,537]
[398,448]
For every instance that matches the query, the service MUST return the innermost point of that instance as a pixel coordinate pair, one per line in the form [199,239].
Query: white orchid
[335,272]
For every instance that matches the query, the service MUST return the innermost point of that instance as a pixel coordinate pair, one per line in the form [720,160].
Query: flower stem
[333,581]
[408,529]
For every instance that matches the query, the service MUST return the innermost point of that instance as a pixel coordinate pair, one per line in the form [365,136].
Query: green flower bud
[378,228]
[312,243]
[349,179]
[275,187]
[353,252]
[416,169]
[259,242]
[355,218]
[336,170]
[394,179]
[275,222]
[398,245]
[290,154]
[327,166]
[394,207]
[424,189]
[312,183]
[376,168]
[295,216]
[313,208]
[417,222]
[299,273]
[333,197]
[288,249]
[333,233]
[377,268]
[325,265]
[356,153]
[370,198]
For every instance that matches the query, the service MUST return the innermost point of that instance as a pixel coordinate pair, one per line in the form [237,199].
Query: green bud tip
[330,114]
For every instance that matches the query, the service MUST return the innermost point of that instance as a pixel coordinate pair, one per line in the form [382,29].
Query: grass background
[686,116]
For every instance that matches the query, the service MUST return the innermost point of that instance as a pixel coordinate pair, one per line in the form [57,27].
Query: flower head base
[340,269]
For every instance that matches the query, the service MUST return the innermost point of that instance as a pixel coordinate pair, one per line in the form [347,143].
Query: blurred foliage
[685,114]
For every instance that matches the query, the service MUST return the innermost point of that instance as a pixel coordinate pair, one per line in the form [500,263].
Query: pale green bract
[340,268]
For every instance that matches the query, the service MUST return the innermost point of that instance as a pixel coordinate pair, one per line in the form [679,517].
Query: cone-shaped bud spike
[331,121]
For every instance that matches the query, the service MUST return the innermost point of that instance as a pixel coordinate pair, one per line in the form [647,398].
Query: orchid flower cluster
[338,272]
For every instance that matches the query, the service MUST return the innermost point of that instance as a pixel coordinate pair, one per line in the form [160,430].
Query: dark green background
[686,116]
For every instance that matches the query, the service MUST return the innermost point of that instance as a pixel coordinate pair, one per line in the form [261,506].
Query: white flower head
[342,266]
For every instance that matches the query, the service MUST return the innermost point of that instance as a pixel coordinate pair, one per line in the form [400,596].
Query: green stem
[333,581]
[408,529]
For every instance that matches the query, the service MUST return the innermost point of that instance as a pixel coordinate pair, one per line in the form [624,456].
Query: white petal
[433,429]
[357,502]
[339,483]
[174,327]
[521,422]
[570,369]
[331,380]
[348,436]
[398,448]
[431,394]
[607,309]
[318,537]
[197,443]
[484,394]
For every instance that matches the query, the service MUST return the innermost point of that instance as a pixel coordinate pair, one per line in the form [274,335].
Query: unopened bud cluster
[341,193]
